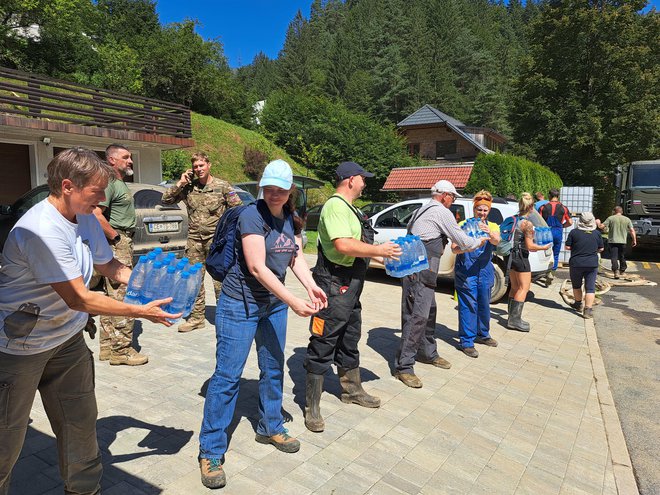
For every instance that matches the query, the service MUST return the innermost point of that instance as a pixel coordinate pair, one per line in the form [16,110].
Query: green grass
[312,236]
[224,144]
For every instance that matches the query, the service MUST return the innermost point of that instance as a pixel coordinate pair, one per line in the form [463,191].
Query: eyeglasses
[453,196]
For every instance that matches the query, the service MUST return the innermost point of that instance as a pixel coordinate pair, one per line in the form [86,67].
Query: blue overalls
[474,277]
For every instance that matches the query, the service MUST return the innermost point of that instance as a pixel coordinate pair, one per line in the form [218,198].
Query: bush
[503,174]
[255,162]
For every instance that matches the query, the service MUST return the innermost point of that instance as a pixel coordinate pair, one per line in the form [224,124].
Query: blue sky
[244,27]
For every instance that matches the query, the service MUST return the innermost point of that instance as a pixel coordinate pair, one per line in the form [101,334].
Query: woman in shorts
[520,273]
[584,243]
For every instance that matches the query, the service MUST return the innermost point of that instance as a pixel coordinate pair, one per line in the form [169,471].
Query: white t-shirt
[45,248]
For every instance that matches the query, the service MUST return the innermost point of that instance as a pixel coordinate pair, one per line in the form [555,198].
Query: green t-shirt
[618,227]
[338,220]
[120,210]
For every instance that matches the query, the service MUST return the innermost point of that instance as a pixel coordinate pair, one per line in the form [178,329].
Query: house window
[444,148]
[413,149]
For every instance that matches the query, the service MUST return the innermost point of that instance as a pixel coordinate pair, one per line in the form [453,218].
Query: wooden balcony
[36,102]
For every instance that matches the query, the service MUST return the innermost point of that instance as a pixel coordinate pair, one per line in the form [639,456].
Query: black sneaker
[577,306]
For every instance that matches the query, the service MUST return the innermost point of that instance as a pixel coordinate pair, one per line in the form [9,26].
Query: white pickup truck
[391,223]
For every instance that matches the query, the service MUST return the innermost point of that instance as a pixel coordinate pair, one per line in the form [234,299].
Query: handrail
[41,97]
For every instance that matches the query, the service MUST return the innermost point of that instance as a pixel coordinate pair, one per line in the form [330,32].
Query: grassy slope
[224,143]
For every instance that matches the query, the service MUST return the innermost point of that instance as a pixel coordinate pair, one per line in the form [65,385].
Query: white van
[391,223]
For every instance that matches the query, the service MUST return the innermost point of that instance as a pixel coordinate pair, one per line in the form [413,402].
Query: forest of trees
[574,84]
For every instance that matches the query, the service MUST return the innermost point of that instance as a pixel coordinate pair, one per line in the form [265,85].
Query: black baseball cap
[349,169]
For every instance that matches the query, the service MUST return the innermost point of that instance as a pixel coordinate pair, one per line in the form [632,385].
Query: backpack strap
[418,214]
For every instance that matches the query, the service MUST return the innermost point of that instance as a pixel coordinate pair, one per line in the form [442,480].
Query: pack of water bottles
[542,235]
[471,228]
[413,257]
[158,275]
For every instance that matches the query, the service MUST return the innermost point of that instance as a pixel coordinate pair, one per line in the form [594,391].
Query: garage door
[14,172]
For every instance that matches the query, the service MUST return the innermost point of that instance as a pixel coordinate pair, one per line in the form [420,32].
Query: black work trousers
[617,257]
[418,317]
[336,330]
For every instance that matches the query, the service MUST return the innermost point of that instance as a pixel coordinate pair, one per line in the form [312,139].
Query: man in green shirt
[617,227]
[345,246]
[117,218]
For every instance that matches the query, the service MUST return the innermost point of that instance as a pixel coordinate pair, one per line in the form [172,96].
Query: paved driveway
[523,418]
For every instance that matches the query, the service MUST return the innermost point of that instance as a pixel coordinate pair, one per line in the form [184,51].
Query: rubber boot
[313,389]
[515,321]
[352,391]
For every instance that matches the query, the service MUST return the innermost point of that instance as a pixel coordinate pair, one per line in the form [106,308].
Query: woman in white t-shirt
[48,261]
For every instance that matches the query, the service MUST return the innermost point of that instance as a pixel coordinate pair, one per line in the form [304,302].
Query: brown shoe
[470,351]
[131,358]
[409,379]
[213,476]
[490,342]
[438,363]
[191,325]
[282,441]
[588,313]
[104,353]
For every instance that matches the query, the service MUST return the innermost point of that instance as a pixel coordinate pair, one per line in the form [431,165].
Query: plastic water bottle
[178,304]
[136,282]
[194,285]
[151,284]
[422,257]
[166,283]
[549,238]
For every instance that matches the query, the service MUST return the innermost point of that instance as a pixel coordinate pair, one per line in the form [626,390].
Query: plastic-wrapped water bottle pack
[158,275]
[471,228]
[542,235]
[413,257]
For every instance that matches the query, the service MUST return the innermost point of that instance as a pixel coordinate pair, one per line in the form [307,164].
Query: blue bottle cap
[143,259]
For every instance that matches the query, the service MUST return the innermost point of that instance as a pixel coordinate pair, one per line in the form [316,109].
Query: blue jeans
[235,331]
[473,293]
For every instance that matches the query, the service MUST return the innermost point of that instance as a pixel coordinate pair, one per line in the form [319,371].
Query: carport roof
[423,178]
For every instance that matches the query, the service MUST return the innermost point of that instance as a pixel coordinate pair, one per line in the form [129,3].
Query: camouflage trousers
[117,331]
[196,252]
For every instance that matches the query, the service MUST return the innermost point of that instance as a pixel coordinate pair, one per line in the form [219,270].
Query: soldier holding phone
[206,198]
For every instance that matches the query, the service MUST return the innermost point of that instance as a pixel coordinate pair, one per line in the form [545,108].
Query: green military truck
[638,193]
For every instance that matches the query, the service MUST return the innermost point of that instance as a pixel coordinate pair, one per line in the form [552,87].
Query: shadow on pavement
[39,455]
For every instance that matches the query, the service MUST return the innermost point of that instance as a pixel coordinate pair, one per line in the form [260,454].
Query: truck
[638,193]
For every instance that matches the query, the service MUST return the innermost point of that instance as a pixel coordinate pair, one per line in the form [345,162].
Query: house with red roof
[446,144]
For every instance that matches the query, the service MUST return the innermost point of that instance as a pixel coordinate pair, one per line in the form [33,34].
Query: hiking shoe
[409,379]
[213,476]
[588,313]
[104,353]
[490,342]
[438,363]
[130,358]
[616,274]
[191,325]
[577,306]
[282,441]
[470,351]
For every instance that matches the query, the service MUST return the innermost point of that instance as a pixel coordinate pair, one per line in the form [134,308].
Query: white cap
[444,186]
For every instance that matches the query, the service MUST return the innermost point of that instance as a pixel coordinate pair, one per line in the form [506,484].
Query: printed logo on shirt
[284,244]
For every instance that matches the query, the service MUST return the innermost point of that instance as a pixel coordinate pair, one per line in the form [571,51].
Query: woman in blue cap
[253,307]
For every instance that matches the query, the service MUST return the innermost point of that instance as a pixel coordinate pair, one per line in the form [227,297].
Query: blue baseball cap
[277,173]
[349,169]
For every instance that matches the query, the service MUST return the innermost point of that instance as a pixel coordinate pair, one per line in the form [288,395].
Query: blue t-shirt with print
[280,249]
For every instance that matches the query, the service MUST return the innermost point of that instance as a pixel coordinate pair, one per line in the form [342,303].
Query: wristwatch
[114,240]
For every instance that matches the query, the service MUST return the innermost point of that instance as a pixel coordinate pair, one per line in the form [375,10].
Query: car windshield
[646,175]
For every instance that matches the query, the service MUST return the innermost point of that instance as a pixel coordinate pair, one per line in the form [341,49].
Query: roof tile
[416,178]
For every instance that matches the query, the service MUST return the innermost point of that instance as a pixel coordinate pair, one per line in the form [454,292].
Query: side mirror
[617,180]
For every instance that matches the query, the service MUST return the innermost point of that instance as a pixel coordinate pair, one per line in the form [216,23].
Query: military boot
[515,321]
[313,390]
[191,324]
[352,391]
[129,358]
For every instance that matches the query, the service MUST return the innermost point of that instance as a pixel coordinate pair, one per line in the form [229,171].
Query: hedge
[503,174]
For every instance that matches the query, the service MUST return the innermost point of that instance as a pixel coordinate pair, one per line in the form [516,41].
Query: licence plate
[163,227]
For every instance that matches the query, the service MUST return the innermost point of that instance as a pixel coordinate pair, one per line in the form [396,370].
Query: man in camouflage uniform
[117,218]
[206,198]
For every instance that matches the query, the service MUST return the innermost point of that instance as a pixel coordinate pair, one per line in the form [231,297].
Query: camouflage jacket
[205,204]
